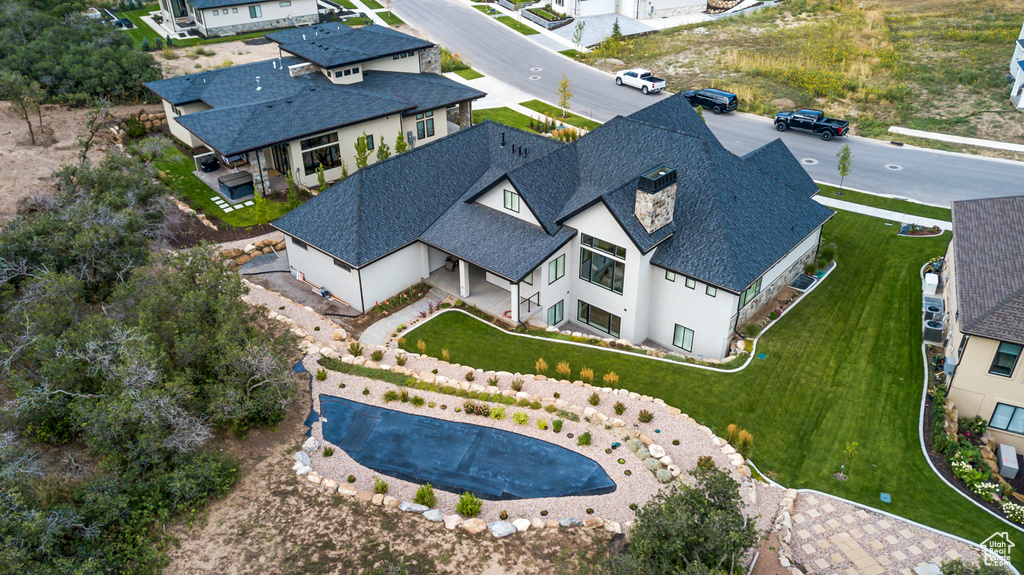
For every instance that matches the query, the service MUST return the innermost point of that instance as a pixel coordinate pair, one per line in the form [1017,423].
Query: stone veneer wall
[430,60]
[655,210]
[262,25]
[767,293]
[258,167]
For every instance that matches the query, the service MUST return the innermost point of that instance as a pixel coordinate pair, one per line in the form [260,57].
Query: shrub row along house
[645,228]
[211,18]
[984,297]
[307,110]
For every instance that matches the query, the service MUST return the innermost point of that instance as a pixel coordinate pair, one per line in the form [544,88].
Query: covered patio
[469,283]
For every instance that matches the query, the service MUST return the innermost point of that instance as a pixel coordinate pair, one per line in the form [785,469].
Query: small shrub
[351,478]
[498,412]
[752,330]
[563,369]
[401,342]
[417,401]
[389,396]
[355,349]
[543,512]
[541,366]
[421,346]
[557,395]
[608,450]
[744,442]
[493,380]
[628,473]
[443,407]
[328,451]
[622,461]
[633,445]
[380,486]
[587,375]
[404,396]
[377,355]
[584,438]
[366,391]
[610,378]
[594,399]
[550,408]
[321,374]
[619,407]
[590,511]
[633,506]
[503,515]
[542,424]
[469,505]
[520,417]
[705,463]
[732,431]
[517,384]
[645,416]
[425,495]
[445,355]
[773,315]
[535,405]
[458,409]
[434,371]
[469,376]
[675,442]
[401,359]
[810,268]
[523,402]
[556,425]
[431,404]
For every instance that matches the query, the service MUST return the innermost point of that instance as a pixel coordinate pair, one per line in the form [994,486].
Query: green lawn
[176,173]
[486,10]
[513,24]
[572,119]
[372,4]
[143,30]
[574,54]
[944,214]
[347,4]
[844,365]
[469,73]
[390,18]
[505,116]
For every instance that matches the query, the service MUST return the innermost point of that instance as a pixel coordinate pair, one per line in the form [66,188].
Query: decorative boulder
[302,457]
[474,526]
[434,515]
[657,451]
[501,528]
[642,453]
[311,445]
[378,499]
[633,445]
[390,501]
[666,461]
[452,522]
[663,475]
[674,470]
[411,507]
[304,470]
[314,477]
[329,484]
[521,524]
[537,523]
[652,464]
[570,522]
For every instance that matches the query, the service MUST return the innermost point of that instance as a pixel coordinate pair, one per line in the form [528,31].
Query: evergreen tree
[400,145]
[362,154]
[383,152]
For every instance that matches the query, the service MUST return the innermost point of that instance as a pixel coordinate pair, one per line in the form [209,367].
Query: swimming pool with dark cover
[453,456]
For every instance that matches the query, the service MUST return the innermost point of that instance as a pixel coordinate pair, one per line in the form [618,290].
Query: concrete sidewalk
[890,215]
[360,7]
[992,144]
[378,333]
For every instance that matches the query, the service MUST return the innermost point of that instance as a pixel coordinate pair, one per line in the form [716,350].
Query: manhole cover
[535,77]
[894,167]
[809,161]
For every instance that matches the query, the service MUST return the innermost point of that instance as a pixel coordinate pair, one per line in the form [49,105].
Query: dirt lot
[25,168]
[198,59]
[273,522]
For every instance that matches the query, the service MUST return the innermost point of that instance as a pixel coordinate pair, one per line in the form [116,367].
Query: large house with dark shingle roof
[644,229]
[307,109]
[212,18]
[984,298]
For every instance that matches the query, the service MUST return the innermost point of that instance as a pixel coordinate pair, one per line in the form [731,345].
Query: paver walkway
[379,332]
[833,536]
[903,218]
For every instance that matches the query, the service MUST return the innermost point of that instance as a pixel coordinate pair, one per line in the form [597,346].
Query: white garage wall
[319,269]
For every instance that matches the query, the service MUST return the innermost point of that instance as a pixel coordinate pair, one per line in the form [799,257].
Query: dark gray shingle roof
[988,249]
[733,218]
[286,107]
[332,45]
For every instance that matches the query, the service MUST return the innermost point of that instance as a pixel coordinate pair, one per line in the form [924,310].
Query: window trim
[342,265]
[711,290]
[999,352]
[1008,421]
[284,3]
[579,317]
[670,275]
[591,241]
[588,262]
[560,307]
[559,269]
[255,11]
[682,340]
[756,286]
[511,200]
[691,283]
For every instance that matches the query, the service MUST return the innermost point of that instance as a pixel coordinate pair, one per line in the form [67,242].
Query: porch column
[514,288]
[258,167]
[463,279]
[465,115]
[426,262]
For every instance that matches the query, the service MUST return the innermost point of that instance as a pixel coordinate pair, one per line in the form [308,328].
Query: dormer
[348,74]
[656,198]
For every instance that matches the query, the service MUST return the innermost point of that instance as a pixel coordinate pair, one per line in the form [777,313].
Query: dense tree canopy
[75,60]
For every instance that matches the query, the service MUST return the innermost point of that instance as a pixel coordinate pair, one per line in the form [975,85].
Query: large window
[556,269]
[683,338]
[255,11]
[750,293]
[556,313]
[1006,359]
[1008,418]
[598,318]
[425,124]
[320,150]
[512,200]
[600,269]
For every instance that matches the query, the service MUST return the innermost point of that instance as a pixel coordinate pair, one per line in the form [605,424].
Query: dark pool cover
[491,463]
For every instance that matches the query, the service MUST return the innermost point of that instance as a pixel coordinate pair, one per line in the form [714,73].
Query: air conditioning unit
[934,330]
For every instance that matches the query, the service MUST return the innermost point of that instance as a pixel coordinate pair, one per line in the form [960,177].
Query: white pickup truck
[640,78]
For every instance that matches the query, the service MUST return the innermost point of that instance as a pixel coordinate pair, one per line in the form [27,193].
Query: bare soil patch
[189,60]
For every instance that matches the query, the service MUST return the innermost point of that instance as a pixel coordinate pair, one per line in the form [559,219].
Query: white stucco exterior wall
[235,16]
[710,318]
[383,129]
[319,269]
[494,198]
[410,64]
[176,129]
[394,273]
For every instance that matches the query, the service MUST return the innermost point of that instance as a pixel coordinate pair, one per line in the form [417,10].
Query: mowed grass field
[843,366]
[936,65]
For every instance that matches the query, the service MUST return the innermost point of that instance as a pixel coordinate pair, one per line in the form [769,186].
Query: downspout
[362,303]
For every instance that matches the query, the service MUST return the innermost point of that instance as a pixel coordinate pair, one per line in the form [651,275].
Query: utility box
[1007,457]
[931,284]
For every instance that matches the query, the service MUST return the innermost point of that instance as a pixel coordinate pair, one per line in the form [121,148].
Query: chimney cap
[657,179]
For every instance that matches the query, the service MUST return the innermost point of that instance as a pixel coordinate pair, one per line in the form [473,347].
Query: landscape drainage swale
[456,457]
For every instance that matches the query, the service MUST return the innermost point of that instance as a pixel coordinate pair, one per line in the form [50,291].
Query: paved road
[498,51]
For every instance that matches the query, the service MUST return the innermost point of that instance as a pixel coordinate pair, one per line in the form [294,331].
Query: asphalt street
[498,51]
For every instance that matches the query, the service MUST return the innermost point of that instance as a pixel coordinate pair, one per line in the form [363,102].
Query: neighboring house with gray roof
[213,18]
[295,114]
[1017,71]
[645,228]
[984,298]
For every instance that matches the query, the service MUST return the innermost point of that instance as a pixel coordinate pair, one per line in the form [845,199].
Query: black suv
[717,101]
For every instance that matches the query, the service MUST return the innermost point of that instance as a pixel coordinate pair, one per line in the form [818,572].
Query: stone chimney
[656,198]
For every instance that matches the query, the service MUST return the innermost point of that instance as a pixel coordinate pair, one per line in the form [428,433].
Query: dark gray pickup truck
[812,121]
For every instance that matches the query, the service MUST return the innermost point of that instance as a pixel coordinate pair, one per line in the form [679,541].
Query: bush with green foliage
[380,486]
[425,495]
[469,505]
[556,425]
[645,416]
[377,355]
[520,417]
[594,399]
[584,438]
[321,374]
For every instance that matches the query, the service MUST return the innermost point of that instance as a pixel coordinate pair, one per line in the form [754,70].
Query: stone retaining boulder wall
[719,6]
[234,258]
